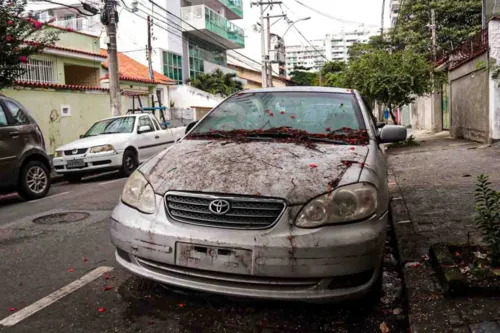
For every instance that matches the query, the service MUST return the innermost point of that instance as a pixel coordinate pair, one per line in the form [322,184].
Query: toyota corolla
[276,193]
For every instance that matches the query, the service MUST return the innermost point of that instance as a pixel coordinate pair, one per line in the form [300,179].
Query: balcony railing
[469,49]
[234,5]
[82,24]
[201,17]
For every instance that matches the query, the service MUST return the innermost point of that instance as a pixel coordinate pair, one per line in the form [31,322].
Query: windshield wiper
[338,142]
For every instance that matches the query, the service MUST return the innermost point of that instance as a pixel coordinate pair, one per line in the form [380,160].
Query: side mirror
[145,128]
[190,126]
[392,133]
[82,135]
[381,125]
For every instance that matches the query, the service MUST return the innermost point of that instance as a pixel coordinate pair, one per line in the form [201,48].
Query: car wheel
[129,163]
[34,180]
[73,178]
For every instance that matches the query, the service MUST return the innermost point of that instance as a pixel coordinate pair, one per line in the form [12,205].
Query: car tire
[34,180]
[73,178]
[129,163]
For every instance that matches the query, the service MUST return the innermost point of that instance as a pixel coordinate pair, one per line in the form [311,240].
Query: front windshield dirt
[300,117]
[112,126]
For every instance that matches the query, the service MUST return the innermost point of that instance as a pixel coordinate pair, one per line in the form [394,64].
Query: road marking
[54,297]
[52,196]
[111,181]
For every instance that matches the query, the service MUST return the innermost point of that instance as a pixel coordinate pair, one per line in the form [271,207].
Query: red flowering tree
[20,37]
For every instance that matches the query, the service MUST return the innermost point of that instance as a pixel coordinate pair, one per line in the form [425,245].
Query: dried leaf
[106,288]
[313,166]
[397,311]
[84,259]
[101,309]
[71,270]
[12,309]
[383,328]
[181,305]
[106,276]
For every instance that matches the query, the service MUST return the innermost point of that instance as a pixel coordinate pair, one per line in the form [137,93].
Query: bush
[488,216]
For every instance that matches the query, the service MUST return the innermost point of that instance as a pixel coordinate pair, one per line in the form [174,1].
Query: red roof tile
[58,86]
[131,70]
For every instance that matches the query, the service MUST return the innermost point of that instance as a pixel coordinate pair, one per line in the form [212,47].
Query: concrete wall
[469,100]
[75,41]
[421,109]
[185,96]
[494,82]
[86,107]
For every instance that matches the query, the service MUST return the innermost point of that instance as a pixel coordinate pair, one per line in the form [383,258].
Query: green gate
[445,106]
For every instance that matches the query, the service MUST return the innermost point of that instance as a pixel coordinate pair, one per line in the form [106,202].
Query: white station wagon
[117,143]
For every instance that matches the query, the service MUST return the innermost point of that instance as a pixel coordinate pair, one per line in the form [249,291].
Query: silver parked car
[276,193]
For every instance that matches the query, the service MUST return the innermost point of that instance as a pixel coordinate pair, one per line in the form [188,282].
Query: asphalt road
[37,259]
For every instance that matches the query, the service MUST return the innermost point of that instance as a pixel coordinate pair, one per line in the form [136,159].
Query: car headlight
[346,204]
[101,149]
[58,153]
[139,194]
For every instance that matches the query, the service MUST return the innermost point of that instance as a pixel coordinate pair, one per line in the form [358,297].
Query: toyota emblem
[219,207]
[75,151]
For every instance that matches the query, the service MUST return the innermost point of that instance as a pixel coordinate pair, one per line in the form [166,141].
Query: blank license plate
[226,260]
[75,164]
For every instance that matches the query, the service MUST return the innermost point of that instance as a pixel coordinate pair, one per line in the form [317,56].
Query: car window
[373,121]
[112,126]
[313,112]
[17,114]
[156,123]
[146,121]
[3,118]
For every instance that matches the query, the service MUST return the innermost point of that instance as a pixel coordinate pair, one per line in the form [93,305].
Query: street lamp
[293,23]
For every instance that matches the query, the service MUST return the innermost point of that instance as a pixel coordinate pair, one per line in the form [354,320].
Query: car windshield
[317,115]
[112,126]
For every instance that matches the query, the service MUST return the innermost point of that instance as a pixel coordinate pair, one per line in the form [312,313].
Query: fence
[469,49]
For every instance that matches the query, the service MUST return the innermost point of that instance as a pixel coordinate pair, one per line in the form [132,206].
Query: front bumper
[332,263]
[92,162]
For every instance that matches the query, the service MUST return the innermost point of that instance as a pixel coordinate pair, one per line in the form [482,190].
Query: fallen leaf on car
[271,114]
[12,309]
[292,116]
[106,276]
[397,311]
[328,129]
[313,166]
[181,305]
[352,148]
[282,112]
[84,259]
[383,328]
[106,288]
[412,264]
[101,309]
[71,270]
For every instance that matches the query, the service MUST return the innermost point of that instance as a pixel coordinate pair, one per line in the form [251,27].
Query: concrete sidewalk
[432,186]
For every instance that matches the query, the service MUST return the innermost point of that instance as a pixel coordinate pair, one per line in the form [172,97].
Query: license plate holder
[75,164]
[214,258]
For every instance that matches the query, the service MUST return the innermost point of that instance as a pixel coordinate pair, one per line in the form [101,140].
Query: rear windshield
[314,113]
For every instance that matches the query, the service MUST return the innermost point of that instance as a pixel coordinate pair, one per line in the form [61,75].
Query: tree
[392,78]
[456,20]
[333,74]
[376,42]
[20,37]
[303,77]
[217,83]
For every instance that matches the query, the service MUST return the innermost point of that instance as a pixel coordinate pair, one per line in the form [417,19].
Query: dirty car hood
[281,170]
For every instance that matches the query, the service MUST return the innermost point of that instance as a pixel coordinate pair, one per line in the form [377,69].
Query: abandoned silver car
[277,193]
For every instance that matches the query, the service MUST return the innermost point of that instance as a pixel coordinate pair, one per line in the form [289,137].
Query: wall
[185,96]
[421,113]
[494,82]
[87,107]
[254,78]
[469,100]
[75,41]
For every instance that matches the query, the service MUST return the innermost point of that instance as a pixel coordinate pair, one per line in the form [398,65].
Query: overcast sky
[362,11]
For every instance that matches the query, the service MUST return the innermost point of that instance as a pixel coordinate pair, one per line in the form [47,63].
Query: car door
[12,144]
[166,136]
[148,140]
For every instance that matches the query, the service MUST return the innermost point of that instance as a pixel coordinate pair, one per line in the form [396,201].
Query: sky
[362,11]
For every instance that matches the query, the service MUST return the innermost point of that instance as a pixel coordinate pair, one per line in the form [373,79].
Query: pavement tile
[485,327]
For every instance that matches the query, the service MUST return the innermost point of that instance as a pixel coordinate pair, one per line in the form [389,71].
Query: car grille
[244,212]
[78,152]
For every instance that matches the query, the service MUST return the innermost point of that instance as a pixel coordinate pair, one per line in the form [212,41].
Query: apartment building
[189,36]
[394,8]
[334,47]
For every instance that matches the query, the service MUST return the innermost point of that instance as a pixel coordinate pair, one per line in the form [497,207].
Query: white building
[394,8]
[189,37]
[334,47]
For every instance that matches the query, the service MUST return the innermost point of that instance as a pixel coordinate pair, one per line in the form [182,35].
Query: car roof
[301,89]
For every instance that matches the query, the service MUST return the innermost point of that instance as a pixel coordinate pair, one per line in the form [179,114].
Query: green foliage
[409,142]
[374,43]
[303,77]
[392,78]
[333,74]
[20,37]
[217,83]
[488,215]
[456,20]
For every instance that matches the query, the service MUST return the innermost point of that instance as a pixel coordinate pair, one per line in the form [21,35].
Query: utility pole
[434,41]
[483,14]
[150,50]
[269,63]
[382,20]
[265,60]
[114,75]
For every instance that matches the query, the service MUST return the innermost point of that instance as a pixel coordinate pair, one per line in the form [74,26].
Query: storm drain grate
[61,218]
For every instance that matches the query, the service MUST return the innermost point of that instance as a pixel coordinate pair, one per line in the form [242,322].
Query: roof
[131,70]
[54,47]
[300,89]
[58,86]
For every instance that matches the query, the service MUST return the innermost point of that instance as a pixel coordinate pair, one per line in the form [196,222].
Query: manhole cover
[61,218]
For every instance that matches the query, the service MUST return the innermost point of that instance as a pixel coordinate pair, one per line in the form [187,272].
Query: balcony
[90,25]
[204,23]
[233,9]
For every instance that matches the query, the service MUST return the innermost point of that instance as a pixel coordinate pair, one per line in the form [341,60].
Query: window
[15,111]
[145,121]
[196,63]
[111,126]
[172,66]
[38,70]
[3,118]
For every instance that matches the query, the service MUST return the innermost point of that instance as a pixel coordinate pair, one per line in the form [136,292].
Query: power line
[69,6]
[314,47]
